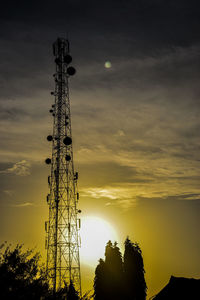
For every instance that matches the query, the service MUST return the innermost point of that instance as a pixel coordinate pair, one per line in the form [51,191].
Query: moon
[108,65]
[95,232]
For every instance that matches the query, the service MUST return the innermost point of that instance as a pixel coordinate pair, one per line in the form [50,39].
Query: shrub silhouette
[22,278]
[20,275]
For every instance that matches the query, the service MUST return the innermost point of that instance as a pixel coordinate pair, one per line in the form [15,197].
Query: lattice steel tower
[62,242]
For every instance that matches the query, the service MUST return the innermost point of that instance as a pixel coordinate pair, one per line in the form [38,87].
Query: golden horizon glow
[95,233]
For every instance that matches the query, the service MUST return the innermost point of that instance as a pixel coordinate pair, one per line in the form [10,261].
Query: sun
[95,233]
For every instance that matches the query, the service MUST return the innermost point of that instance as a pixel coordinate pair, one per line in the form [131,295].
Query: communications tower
[62,228]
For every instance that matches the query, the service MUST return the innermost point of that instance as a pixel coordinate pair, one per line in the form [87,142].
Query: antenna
[62,228]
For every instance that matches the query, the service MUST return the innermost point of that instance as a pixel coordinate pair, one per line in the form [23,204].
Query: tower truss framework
[62,227]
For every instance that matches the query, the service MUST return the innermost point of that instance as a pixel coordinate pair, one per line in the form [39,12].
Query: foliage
[114,271]
[109,274]
[20,275]
[120,279]
[135,285]
[99,281]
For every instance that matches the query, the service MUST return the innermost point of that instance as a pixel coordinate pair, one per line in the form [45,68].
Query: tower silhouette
[62,228]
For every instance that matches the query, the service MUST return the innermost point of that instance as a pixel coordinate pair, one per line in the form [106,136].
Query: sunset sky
[135,125]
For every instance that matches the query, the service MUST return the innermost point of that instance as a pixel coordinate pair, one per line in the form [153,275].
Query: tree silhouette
[114,271]
[118,279]
[22,278]
[134,281]
[100,285]
[20,275]
[108,274]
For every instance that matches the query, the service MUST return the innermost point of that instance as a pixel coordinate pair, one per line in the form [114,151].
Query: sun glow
[95,233]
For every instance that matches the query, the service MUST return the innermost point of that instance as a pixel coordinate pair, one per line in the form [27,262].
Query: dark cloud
[12,114]
[169,200]
[110,174]
[121,32]
[145,22]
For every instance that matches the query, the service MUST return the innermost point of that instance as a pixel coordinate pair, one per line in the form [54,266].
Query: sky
[135,125]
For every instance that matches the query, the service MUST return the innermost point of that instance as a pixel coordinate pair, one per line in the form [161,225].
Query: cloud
[126,196]
[123,196]
[101,193]
[25,204]
[126,203]
[21,168]
[9,192]
[140,119]
[120,133]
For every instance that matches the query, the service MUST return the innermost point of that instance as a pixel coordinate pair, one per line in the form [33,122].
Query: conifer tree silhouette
[118,280]
[114,271]
[134,281]
[109,274]
[100,281]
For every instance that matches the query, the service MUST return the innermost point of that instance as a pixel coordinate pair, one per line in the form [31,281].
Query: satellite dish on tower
[67,141]
[71,71]
[48,161]
[67,59]
[49,138]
